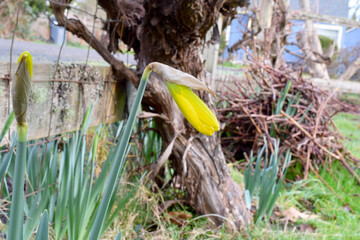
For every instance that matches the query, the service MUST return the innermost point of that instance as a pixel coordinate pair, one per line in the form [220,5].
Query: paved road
[43,52]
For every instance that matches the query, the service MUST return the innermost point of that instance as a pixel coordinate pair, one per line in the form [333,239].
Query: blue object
[57,33]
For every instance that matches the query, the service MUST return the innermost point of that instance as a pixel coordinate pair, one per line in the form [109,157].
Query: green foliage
[231,65]
[17,208]
[149,142]
[334,219]
[325,42]
[36,7]
[119,160]
[61,179]
[261,184]
[29,11]
[287,101]
[78,195]
[7,125]
[42,232]
[5,162]
[223,43]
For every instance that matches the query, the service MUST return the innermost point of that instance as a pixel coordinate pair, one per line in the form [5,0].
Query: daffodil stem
[17,201]
[119,159]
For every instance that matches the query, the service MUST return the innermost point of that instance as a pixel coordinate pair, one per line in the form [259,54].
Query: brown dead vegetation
[300,116]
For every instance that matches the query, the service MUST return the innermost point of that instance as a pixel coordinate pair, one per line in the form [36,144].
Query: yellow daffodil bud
[194,109]
[21,87]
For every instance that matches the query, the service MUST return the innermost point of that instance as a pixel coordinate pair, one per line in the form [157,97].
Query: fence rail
[332,84]
[72,90]
[227,78]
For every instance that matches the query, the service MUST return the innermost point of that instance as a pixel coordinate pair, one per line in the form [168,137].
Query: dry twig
[299,117]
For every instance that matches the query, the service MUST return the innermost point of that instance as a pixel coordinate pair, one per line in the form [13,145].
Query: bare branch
[243,42]
[76,27]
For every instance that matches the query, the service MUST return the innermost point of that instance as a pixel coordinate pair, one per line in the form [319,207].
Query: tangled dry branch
[279,104]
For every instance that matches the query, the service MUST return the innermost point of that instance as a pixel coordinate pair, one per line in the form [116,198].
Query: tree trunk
[351,70]
[171,33]
[282,31]
[311,44]
[269,40]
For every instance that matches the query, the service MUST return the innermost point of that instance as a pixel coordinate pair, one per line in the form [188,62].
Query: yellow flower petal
[194,109]
[28,61]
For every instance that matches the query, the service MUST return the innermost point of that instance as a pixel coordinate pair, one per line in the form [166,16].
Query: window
[331,31]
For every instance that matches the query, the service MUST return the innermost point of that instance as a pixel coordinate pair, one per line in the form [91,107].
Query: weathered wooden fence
[332,84]
[59,101]
[226,79]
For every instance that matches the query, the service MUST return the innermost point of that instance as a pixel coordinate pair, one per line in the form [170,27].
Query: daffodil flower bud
[20,94]
[21,87]
[194,109]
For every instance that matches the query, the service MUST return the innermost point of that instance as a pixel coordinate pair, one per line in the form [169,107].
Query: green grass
[351,98]
[76,45]
[349,126]
[313,197]
[231,65]
[334,219]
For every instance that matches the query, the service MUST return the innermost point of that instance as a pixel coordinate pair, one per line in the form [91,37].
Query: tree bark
[282,31]
[310,43]
[267,36]
[171,32]
[351,70]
